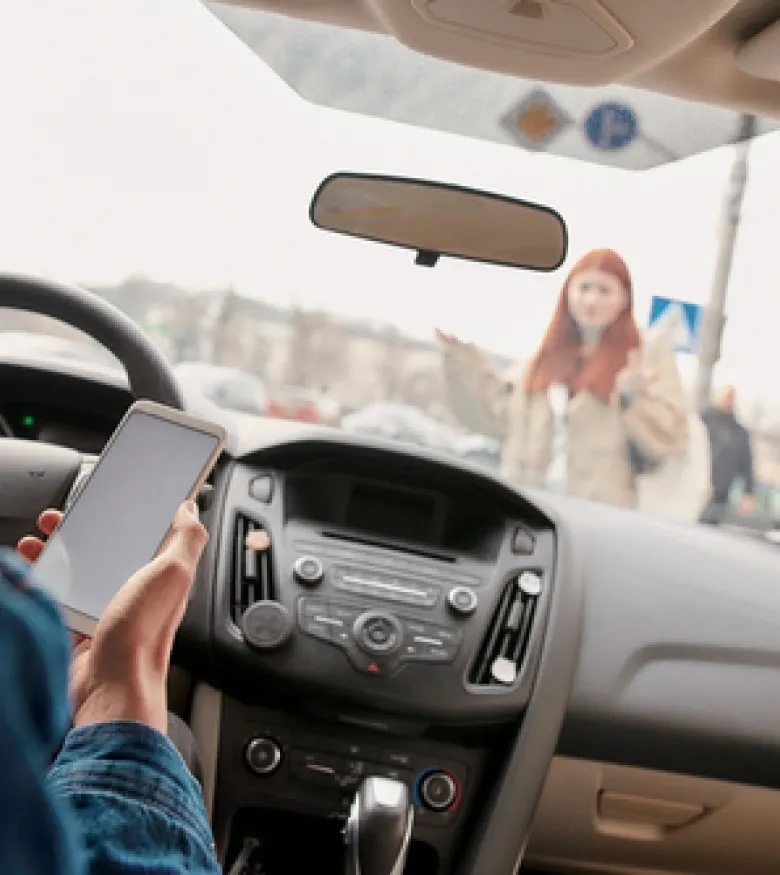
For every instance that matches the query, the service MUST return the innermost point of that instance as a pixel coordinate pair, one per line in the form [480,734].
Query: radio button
[314,619]
[342,636]
[263,755]
[342,618]
[311,608]
[308,570]
[462,600]
[448,636]
[438,653]
[367,664]
[344,613]
[316,629]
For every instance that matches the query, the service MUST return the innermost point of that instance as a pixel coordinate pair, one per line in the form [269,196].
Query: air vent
[252,568]
[501,656]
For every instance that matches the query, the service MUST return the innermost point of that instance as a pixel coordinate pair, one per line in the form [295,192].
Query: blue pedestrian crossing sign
[679,320]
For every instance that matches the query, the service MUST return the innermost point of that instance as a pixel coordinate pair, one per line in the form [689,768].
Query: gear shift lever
[379,828]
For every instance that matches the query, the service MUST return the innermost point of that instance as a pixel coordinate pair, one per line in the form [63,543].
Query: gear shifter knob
[379,828]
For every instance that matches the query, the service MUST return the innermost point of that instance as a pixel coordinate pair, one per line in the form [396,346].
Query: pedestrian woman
[595,406]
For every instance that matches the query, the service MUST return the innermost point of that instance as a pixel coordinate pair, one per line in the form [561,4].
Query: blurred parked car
[226,387]
[764,521]
[480,450]
[303,405]
[403,423]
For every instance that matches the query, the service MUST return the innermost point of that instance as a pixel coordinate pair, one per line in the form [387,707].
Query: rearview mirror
[437,219]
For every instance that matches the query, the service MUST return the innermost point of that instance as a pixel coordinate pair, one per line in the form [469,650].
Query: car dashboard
[415,617]
[59,406]
[393,627]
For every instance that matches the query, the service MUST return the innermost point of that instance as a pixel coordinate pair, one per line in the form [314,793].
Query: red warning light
[373,668]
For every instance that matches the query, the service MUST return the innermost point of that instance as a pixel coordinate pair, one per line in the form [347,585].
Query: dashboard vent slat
[500,658]
[252,569]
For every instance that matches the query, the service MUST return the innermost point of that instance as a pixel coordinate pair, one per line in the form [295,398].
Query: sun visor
[760,56]
[570,28]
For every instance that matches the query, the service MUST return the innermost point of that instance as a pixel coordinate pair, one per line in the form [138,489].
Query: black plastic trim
[499,841]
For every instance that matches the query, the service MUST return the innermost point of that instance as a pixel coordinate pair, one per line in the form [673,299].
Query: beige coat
[598,433]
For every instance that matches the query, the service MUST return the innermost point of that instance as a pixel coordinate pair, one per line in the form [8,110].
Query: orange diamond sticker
[536,120]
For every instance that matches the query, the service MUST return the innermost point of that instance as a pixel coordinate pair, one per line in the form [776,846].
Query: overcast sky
[144,137]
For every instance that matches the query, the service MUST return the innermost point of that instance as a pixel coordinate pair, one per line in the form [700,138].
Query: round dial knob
[462,600]
[438,791]
[266,625]
[308,570]
[377,633]
[263,755]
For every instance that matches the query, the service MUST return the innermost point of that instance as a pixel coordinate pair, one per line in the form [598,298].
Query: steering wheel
[35,475]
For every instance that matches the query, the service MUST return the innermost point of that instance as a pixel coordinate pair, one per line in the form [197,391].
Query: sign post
[715,314]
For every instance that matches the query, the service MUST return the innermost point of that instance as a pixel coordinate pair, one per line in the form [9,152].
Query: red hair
[559,358]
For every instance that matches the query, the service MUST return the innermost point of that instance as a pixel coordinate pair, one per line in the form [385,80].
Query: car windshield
[167,162]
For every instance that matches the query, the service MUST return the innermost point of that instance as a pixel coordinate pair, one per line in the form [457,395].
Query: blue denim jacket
[118,800]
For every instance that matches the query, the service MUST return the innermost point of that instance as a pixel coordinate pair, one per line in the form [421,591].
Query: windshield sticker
[611,126]
[536,121]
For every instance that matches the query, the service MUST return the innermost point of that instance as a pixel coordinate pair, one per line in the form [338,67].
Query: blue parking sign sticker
[611,126]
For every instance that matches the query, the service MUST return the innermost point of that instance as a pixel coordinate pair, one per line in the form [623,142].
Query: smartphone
[156,459]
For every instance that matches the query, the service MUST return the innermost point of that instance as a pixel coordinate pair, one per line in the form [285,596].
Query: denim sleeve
[137,805]
[37,836]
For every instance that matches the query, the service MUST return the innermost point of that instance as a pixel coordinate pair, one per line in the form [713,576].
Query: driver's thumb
[187,537]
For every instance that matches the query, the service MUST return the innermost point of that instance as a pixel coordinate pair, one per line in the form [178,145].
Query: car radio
[382,610]
[377,641]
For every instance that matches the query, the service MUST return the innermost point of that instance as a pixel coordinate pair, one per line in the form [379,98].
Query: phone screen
[124,511]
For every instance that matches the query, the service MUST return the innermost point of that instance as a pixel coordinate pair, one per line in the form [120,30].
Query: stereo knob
[462,600]
[263,756]
[308,571]
[438,791]
[377,633]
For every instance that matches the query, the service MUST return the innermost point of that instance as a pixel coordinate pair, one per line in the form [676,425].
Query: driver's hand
[747,505]
[29,548]
[121,673]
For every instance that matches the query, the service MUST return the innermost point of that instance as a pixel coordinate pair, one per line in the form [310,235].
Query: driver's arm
[119,797]
[37,835]
[136,805]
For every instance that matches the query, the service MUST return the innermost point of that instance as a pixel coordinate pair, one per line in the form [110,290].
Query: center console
[392,628]
[271,760]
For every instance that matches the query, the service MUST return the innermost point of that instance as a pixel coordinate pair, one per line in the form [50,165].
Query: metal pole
[714,316]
